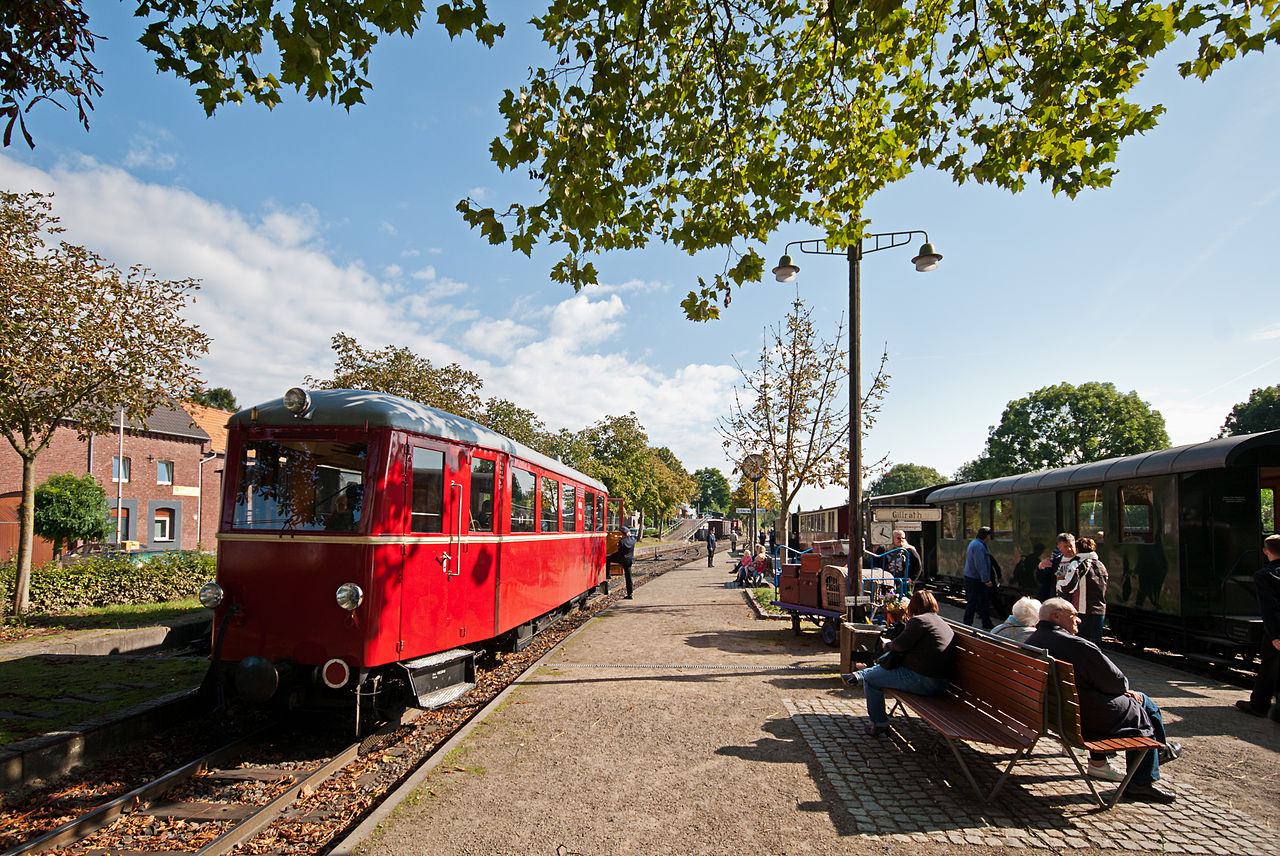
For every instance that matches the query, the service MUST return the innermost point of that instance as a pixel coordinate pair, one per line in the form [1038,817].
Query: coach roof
[348,407]
[1209,455]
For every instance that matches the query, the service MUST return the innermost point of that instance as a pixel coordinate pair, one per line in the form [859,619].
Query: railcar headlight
[296,401]
[211,595]
[349,596]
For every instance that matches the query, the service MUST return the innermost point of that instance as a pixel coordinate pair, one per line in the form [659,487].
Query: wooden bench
[1063,719]
[998,696]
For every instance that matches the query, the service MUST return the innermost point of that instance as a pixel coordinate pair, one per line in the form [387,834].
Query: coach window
[1136,516]
[950,519]
[1002,519]
[600,521]
[589,512]
[1268,502]
[569,508]
[522,500]
[427,514]
[482,472]
[1089,513]
[550,504]
[972,519]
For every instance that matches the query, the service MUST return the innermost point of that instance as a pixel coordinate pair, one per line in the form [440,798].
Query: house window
[119,473]
[122,515]
[164,472]
[163,529]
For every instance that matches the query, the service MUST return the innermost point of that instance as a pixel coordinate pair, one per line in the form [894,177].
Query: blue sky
[308,220]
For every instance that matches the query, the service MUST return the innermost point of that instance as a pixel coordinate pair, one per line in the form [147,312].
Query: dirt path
[667,726]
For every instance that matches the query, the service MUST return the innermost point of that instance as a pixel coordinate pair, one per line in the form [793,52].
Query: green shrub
[113,579]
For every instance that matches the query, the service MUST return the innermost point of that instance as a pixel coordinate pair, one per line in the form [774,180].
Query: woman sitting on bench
[920,660]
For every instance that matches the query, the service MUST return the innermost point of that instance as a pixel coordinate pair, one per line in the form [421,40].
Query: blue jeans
[1149,769]
[876,680]
[977,599]
[1091,628]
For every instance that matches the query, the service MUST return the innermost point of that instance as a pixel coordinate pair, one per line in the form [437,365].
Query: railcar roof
[347,407]
[1209,455]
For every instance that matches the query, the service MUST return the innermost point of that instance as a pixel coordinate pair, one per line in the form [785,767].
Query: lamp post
[786,271]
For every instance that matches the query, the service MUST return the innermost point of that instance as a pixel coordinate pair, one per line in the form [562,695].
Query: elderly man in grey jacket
[1108,708]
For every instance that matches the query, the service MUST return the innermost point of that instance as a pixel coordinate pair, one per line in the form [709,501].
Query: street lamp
[926,260]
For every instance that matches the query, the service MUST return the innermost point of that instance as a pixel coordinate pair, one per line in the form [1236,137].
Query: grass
[67,690]
[765,595]
[118,616]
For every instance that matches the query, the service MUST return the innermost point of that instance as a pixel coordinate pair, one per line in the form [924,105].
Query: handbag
[890,660]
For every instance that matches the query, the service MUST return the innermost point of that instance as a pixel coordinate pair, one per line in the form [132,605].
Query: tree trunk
[26,535]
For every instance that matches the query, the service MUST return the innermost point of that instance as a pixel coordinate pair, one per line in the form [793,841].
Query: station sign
[742,511]
[905,513]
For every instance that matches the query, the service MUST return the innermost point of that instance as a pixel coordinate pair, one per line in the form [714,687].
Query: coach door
[474,588]
[432,550]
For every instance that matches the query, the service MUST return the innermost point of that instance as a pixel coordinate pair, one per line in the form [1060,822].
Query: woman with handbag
[920,660]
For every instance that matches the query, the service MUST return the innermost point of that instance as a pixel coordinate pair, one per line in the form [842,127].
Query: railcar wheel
[830,632]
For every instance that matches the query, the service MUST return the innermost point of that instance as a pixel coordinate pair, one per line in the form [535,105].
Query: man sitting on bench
[1108,708]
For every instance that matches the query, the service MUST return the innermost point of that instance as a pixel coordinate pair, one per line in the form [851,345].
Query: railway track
[285,788]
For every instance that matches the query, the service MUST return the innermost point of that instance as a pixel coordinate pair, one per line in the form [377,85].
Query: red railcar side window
[522,500]
[427,514]
[299,484]
[482,475]
[569,508]
[599,513]
[550,505]
[589,512]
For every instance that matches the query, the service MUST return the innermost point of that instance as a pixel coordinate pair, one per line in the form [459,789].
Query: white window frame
[160,465]
[116,468]
[165,516]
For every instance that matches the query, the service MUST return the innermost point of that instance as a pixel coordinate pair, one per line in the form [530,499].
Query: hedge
[112,579]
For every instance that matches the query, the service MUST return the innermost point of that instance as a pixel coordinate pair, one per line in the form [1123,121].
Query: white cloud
[387,228]
[272,297]
[145,150]
[479,194]
[1266,333]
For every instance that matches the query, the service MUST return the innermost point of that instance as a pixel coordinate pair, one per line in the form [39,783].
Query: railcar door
[474,586]
[427,616]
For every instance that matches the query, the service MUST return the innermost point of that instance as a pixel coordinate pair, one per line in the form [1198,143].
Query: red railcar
[369,544]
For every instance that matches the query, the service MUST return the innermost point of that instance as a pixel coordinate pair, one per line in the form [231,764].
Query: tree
[712,489]
[1062,425]
[218,397]
[1260,413]
[795,412]
[519,424]
[70,509]
[79,341]
[617,453]
[710,125]
[44,52]
[904,477]
[765,496]
[399,371]
[672,483]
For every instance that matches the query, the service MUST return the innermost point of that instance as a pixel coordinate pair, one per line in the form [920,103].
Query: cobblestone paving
[909,787]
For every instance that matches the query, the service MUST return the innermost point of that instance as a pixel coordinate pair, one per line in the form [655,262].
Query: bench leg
[1066,750]
[1130,770]
[951,744]
[1022,753]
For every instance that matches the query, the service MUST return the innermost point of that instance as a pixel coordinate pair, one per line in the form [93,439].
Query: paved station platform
[679,723]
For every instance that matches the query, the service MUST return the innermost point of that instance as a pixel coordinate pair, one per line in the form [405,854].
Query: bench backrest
[1064,705]
[1006,683]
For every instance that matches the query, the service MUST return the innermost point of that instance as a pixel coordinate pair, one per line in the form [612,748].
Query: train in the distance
[370,545]
[1180,531]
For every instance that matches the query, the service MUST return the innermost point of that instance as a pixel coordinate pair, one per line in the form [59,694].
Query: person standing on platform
[977,579]
[625,555]
[711,545]
[1048,571]
[733,541]
[1086,587]
[1266,583]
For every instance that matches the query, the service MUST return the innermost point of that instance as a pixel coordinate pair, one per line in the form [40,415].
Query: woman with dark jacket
[926,650]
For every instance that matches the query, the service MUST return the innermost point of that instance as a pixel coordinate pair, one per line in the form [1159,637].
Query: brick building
[168,484]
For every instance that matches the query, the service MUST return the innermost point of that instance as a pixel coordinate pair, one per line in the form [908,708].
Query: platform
[678,723]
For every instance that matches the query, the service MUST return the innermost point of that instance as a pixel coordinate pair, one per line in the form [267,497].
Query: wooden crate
[856,639]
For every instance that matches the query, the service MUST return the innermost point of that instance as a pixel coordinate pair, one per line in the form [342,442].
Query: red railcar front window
[311,485]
